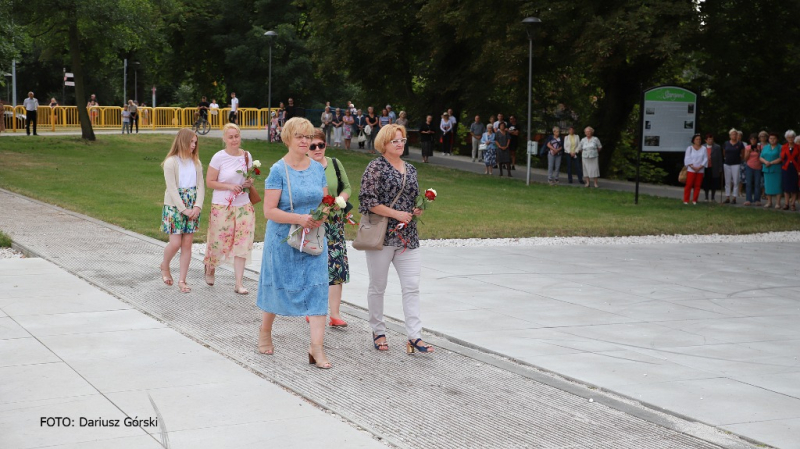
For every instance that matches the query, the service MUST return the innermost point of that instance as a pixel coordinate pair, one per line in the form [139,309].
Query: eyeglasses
[315,146]
[399,141]
[303,136]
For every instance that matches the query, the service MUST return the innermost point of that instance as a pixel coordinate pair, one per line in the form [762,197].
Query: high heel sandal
[378,346]
[265,345]
[316,357]
[184,287]
[166,279]
[209,275]
[415,345]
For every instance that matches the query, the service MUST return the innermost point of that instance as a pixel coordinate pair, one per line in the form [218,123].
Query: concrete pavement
[70,350]
[459,397]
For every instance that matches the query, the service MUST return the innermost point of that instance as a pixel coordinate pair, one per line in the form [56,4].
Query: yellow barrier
[110,117]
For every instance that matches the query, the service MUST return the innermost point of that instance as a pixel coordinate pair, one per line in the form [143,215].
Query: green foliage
[5,240]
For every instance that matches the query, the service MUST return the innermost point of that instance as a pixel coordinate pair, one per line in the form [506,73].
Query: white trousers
[408,265]
[731,179]
[476,142]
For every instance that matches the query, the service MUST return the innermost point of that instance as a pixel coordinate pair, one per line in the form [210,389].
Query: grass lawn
[118,179]
[5,241]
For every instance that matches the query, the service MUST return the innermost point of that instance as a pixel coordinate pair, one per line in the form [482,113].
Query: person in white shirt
[31,107]
[695,160]
[213,109]
[233,117]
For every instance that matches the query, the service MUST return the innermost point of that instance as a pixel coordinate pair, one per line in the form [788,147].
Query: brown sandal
[209,275]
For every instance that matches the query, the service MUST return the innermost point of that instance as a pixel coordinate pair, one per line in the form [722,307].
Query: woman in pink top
[232,219]
[752,169]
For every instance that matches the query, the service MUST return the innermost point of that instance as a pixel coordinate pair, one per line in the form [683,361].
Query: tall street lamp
[270,37]
[530,23]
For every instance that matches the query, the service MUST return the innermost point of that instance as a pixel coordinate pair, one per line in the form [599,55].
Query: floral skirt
[338,268]
[489,156]
[348,132]
[230,234]
[174,222]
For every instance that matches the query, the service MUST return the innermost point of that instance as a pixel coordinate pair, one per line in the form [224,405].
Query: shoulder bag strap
[339,186]
[289,182]
[403,187]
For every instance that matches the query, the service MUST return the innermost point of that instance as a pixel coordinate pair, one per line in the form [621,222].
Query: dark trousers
[576,164]
[31,117]
[135,121]
[711,183]
[233,117]
[447,143]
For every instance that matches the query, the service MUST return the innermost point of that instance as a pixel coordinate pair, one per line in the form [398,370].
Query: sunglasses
[314,146]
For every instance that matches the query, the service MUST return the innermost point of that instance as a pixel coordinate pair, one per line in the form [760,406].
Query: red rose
[430,195]
[257,171]
[328,200]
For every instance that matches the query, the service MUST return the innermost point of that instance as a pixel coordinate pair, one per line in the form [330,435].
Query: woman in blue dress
[490,153]
[293,283]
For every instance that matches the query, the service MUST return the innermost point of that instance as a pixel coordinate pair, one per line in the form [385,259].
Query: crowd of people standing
[767,169]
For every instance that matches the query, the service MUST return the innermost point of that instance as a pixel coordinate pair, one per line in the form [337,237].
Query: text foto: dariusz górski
[64,421]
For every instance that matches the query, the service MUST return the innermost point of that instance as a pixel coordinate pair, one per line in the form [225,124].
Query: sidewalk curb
[623,403]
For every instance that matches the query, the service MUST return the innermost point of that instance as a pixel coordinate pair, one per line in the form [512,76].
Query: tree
[747,65]
[80,27]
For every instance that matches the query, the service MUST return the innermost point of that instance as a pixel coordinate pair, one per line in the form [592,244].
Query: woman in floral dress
[183,201]
[232,221]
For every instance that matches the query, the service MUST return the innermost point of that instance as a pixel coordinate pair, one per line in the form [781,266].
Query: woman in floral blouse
[390,188]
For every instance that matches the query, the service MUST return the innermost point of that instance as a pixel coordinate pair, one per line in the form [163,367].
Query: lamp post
[125,81]
[270,37]
[136,82]
[530,23]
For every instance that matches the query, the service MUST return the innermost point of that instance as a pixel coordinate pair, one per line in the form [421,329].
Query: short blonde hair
[386,134]
[230,126]
[296,125]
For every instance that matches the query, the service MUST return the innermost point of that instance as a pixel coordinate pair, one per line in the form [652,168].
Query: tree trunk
[87,133]
[622,90]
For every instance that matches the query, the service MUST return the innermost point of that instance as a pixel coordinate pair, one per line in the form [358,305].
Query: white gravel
[8,253]
[769,237]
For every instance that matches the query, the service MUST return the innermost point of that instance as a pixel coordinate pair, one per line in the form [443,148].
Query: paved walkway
[69,349]
[459,397]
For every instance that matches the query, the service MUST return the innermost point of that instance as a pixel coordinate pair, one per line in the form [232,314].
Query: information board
[668,119]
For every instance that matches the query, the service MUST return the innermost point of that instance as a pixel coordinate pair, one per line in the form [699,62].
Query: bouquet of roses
[423,200]
[248,173]
[329,207]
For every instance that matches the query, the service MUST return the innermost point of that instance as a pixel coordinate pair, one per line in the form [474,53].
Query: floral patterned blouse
[380,184]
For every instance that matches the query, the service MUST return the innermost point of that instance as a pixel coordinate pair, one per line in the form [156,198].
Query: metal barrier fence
[110,117]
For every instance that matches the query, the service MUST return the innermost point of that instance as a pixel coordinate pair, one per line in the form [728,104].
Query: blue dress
[293,283]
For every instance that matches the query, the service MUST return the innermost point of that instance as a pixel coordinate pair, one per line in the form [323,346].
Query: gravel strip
[769,237]
[8,253]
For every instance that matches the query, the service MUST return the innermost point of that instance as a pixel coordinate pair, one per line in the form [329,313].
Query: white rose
[341,202]
[257,164]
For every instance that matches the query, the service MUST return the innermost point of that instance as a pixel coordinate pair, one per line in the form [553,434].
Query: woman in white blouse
[447,134]
[695,160]
[590,147]
[232,220]
[183,201]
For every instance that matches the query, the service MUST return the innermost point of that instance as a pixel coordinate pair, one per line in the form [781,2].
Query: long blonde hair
[182,145]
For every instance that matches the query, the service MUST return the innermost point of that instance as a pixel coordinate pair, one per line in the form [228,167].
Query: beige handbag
[372,227]
[311,242]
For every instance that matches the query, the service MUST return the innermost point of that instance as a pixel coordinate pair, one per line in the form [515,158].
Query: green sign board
[668,119]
